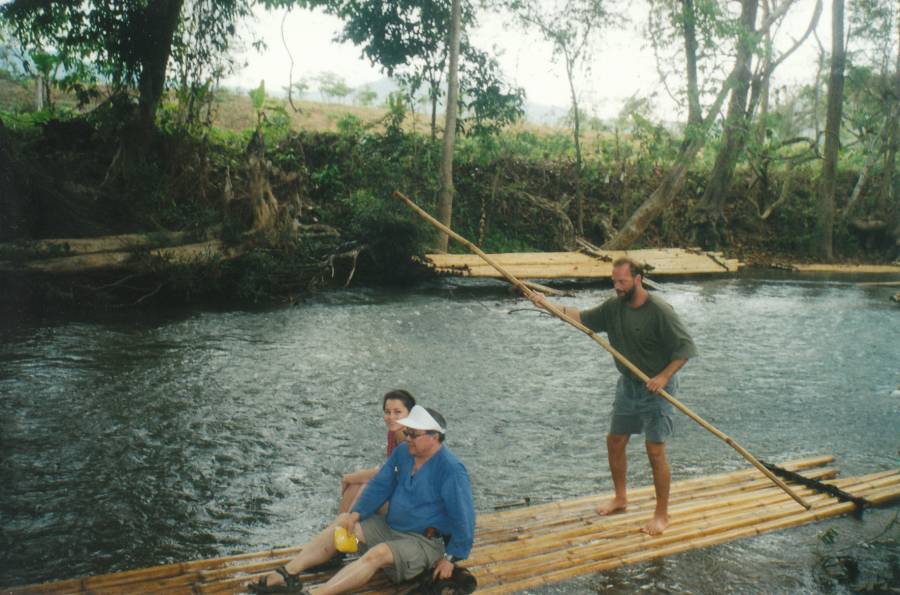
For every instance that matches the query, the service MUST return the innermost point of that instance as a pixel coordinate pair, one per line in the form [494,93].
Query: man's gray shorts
[413,553]
[636,410]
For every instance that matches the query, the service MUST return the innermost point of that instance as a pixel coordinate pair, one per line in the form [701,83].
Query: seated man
[430,521]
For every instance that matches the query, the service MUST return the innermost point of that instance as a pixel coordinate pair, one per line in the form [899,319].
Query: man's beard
[627,295]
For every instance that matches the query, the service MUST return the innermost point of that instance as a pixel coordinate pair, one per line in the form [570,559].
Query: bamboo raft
[539,545]
[556,265]
[850,269]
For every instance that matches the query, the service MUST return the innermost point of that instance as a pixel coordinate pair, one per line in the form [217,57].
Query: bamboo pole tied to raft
[599,340]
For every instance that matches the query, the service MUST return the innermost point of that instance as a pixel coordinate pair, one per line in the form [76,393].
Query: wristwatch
[450,558]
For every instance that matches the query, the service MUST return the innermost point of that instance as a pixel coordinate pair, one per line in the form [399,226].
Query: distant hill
[535,113]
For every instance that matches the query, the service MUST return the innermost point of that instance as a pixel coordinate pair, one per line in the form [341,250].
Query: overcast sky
[622,64]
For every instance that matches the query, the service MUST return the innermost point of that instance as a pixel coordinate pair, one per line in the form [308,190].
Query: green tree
[487,103]
[333,86]
[715,35]
[749,87]
[201,55]
[366,96]
[872,111]
[409,40]
[570,25]
[125,43]
[825,220]
[445,196]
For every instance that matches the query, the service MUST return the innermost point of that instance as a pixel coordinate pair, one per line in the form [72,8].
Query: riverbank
[272,214]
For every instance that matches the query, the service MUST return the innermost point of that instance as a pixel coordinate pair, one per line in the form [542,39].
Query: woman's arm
[357,477]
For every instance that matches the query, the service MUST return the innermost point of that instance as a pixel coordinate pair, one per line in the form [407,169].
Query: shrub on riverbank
[328,195]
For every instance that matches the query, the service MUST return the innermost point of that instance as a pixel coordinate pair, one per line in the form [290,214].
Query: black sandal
[292,583]
[335,562]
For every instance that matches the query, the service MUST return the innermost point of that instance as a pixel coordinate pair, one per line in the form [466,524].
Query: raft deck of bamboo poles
[578,265]
[540,545]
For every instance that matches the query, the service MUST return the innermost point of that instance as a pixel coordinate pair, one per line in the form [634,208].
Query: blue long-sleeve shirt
[439,495]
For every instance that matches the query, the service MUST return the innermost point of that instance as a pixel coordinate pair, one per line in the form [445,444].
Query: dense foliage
[304,207]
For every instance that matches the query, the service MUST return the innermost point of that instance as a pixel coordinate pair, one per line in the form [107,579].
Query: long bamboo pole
[597,339]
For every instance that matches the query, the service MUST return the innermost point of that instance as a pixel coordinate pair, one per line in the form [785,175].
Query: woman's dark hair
[399,395]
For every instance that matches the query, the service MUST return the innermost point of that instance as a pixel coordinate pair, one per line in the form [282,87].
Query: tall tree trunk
[709,212]
[886,198]
[760,95]
[576,134]
[825,223]
[39,93]
[888,195]
[695,113]
[760,90]
[156,31]
[445,198]
[434,101]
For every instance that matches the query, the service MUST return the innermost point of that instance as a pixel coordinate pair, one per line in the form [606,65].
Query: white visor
[420,419]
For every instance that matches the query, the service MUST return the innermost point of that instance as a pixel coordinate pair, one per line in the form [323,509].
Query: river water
[141,439]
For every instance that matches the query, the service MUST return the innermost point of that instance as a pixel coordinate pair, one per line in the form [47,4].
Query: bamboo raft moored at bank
[598,264]
[578,265]
[539,545]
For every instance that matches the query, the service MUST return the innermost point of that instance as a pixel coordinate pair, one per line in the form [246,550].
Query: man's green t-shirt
[650,336]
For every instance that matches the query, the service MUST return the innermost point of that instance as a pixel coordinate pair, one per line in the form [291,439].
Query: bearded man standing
[646,330]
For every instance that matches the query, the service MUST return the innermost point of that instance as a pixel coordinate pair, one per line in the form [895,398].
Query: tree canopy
[408,40]
[127,44]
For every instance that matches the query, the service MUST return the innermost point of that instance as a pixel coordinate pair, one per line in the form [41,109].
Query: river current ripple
[137,440]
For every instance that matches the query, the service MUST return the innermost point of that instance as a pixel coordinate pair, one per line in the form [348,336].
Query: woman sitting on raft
[396,405]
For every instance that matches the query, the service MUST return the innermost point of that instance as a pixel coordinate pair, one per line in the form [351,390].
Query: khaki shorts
[636,410]
[413,553]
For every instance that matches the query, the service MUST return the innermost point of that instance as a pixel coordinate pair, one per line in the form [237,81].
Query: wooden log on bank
[126,259]
[133,251]
[540,545]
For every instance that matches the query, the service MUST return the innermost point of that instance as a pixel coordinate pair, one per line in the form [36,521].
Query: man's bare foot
[656,525]
[613,506]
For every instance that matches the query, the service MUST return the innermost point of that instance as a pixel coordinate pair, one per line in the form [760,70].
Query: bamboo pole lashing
[609,348]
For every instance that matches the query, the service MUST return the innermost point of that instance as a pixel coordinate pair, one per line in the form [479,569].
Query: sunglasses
[413,435]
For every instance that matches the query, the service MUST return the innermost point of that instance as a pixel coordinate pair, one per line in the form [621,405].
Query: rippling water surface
[134,441]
